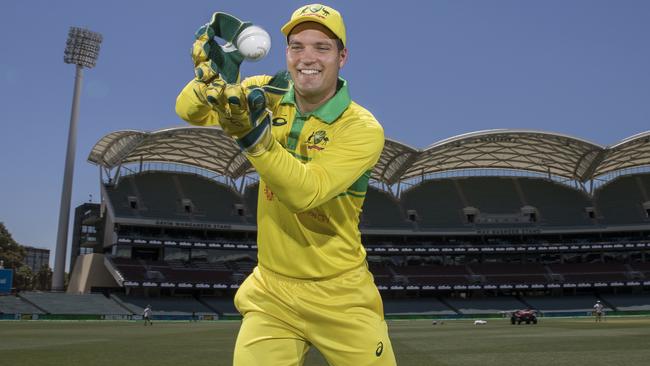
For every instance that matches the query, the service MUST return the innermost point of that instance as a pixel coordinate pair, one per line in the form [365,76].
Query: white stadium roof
[525,150]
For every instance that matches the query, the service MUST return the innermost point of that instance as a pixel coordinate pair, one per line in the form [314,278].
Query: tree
[43,279]
[23,278]
[11,252]
[13,255]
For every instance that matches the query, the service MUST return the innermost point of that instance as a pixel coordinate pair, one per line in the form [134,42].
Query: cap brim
[287,28]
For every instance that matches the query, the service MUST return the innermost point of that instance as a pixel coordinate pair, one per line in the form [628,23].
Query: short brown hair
[339,44]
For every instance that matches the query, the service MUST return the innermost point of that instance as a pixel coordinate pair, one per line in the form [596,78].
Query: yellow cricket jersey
[313,180]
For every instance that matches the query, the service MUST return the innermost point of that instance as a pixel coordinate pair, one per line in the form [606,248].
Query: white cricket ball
[254,43]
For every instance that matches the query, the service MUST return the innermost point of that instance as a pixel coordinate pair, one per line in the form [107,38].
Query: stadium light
[82,49]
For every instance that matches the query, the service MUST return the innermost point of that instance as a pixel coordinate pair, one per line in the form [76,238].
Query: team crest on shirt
[317,140]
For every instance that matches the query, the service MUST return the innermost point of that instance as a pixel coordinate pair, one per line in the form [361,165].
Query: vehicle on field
[524,316]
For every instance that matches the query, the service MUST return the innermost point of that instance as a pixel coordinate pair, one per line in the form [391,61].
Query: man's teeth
[310,72]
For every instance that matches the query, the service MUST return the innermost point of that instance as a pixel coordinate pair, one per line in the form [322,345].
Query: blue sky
[427,70]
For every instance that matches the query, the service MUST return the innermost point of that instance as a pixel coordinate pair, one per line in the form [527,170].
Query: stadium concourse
[479,224]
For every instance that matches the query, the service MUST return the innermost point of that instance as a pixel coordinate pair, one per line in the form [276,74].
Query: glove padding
[212,60]
[243,115]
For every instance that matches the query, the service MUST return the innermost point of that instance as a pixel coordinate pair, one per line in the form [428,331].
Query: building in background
[36,258]
[87,231]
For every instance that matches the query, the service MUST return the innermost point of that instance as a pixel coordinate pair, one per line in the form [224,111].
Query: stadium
[506,222]
[477,225]
[469,230]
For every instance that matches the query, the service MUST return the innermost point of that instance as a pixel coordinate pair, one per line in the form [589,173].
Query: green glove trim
[224,59]
[279,83]
[260,119]
[255,136]
[227,27]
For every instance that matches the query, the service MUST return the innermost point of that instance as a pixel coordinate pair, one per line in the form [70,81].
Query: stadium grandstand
[480,223]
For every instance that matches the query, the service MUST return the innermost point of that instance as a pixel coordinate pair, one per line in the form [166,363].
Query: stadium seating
[118,195]
[428,215]
[620,202]
[165,305]
[590,272]
[171,271]
[381,273]
[628,302]
[496,195]
[419,306]
[63,303]
[129,269]
[250,200]
[500,268]
[509,273]
[212,201]
[574,303]
[645,182]
[643,268]
[382,211]
[10,304]
[223,305]
[158,195]
[485,305]
[557,204]
[164,195]
[437,204]
[243,267]
[434,275]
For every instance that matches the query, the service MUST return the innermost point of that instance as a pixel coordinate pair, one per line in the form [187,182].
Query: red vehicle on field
[528,316]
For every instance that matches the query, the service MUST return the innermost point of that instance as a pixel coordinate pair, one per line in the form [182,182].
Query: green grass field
[555,342]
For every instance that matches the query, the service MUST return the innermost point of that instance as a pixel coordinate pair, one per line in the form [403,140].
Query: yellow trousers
[342,317]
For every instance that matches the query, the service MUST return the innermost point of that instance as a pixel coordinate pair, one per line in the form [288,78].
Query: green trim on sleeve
[348,193]
[361,185]
[359,188]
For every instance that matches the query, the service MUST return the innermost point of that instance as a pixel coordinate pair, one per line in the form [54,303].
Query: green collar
[329,111]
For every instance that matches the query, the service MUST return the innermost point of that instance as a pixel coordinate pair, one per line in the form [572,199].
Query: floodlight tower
[82,49]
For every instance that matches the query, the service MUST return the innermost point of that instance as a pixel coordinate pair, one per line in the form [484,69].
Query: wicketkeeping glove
[242,112]
[212,60]
[243,115]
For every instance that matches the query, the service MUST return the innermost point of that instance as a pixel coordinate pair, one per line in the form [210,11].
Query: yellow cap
[318,13]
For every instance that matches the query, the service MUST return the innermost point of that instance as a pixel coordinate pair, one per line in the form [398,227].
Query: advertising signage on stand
[6,280]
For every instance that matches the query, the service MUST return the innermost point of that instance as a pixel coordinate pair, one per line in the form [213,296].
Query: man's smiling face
[314,61]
